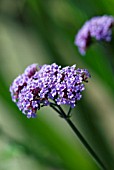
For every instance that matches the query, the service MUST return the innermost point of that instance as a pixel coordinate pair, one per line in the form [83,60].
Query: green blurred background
[43,31]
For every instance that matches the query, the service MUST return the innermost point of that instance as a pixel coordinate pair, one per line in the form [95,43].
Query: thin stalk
[53,107]
[84,142]
[69,112]
[82,139]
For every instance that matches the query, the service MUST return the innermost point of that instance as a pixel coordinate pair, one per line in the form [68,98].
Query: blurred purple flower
[38,86]
[98,27]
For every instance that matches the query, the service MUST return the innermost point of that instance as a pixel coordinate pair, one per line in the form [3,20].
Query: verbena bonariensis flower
[98,27]
[39,86]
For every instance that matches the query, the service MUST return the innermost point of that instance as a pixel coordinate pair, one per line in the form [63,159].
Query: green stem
[82,139]
[69,112]
[53,107]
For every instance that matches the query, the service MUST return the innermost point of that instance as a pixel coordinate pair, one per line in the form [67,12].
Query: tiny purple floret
[38,86]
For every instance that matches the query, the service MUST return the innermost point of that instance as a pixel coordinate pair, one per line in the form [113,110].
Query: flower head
[38,86]
[98,27]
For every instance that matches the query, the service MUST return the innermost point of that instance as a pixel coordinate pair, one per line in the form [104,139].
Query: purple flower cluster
[41,85]
[98,27]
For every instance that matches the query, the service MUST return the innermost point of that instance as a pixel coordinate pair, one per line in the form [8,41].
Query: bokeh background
[43,31]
